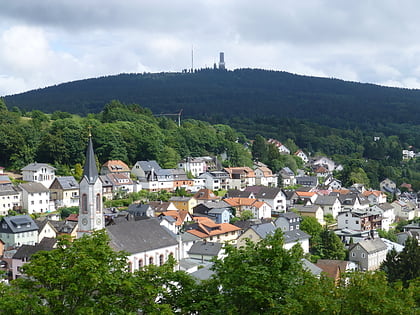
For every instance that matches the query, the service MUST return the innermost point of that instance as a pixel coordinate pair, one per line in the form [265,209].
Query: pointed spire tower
[91,215]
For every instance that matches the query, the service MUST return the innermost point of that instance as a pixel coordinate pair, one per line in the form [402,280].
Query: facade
[91,215]
[208,230]
[273,196]
[329,204]
[215,180]
[314,211]
[35,197]
[259,209]
[359,220]
[64,192]
[184,203]
[18,230]
[265,177]
[10,198]
[240,177]
[369,254]
[40,173]
[195,166]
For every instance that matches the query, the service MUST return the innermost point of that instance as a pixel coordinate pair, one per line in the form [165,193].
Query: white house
[64,192]
[281,147]
[359,220]
[265,177]
[10,198]
[35,197]
[330,204]
[18,230]
[369,254]
[388,214]
[302,155]
[40,173]
[274,196]
[196,166]
[214,180]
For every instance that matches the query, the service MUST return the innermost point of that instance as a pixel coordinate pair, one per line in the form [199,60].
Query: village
[222,205]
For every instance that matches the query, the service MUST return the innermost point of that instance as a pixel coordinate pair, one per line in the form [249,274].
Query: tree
[246,215]
[259,149]
[330,246]
[403,266]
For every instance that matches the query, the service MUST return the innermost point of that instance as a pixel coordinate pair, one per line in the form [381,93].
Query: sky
[47,42]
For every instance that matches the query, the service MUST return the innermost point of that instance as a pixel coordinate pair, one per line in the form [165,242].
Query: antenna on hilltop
[192,59]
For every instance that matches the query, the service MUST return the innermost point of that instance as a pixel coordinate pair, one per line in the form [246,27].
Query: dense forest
[131,133]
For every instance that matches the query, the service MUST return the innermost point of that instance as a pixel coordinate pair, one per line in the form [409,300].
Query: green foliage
[246,215]
[390,235]
[66,211]
[403,266]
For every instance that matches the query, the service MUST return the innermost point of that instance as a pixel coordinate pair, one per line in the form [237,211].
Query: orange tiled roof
[238,201]
[305,193]
[238,170]
[342,191]
[205,230]
[377,193]
[205,194]
[178,215]
[123,167]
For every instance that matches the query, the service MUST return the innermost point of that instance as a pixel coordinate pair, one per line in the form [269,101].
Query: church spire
[90,171]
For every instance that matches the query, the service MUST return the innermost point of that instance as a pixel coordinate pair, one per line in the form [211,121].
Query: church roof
[90,171]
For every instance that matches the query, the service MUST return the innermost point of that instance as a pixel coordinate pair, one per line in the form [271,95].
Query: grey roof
[204,273]
[215,204]
[188,237]
[33,187]
[64,226]
[385,206]
[287,171]
[325,200]
[264,229]
[90,172]
[264,192]
[307,208]
[24,222]
[5,178]
[372,246]
[289,215]
[147,166]
[138,209]
[168,218]
[307,180]
[236,193]
[140,236]
[180,198]
[67,182]
[8,189]
[312,268]
[36,166]
[26,251]
[205,248]
[295,235]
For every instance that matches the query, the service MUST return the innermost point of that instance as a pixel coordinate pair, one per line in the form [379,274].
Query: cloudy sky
[47,42]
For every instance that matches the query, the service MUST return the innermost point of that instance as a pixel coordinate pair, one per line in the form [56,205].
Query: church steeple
[90,171]
[91,215]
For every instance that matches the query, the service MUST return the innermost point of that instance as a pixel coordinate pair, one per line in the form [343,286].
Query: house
[39,173]
[388,215]
[288,221]
[35,197]
[240,177]
[208,230]
[141,211]
[332,183]
[195,166]
[314,211]
[115,167]
[325,162]
[162,206]
[292,238]
[121,183]
[206,251]
[306,197]
[369,254]
[359,220]
[287,177]
[215,180]
[256,233]
[330,204]
[348,236]
[205,195]
[389,186]
[259,209]
[64,192]
[184,203]
[45,229]
[66,227]
[145,241]
[281,147]
[180,179]
[274,196]
[307,181]
[375,196]
[404,210]
[181,218]
[321,171]
[353,201]
[10,198]
[24,253]
[107,187]
[265,177]
[18,230]
[144,169]
[334,269]
[302,155]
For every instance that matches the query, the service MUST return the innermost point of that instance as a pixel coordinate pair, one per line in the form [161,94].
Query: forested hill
[245,92]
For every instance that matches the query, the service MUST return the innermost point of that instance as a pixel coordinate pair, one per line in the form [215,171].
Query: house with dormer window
[18,230]
[40,173]
[64,192]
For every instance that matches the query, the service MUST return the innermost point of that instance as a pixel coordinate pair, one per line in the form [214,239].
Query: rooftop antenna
[192,59]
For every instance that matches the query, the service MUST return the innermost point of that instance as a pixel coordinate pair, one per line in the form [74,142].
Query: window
[291,228]
[98,203]
[363,255]
[150,260]
[161,260]
[84,203]
[140,263]
[347,221]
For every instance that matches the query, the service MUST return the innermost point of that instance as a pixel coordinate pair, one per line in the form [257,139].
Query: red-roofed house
[115,167]
[208,230]
[260,209]
[240,177]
